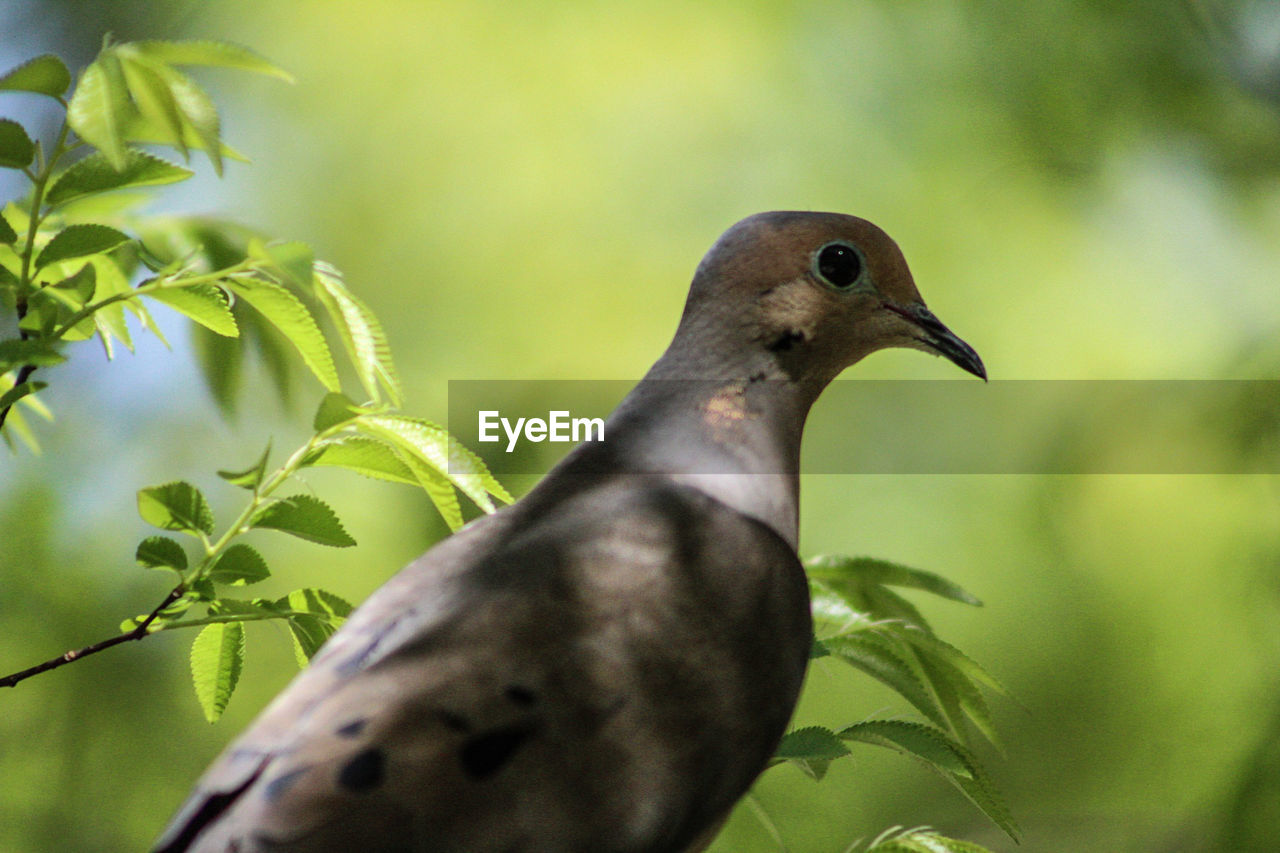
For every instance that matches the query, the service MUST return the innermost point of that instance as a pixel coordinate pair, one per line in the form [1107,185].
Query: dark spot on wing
[353,728]
[485,754]
[457,722]
[521,695]
[195,816]
[364,772]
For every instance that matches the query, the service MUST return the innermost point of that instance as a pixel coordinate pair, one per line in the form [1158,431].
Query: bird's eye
[839,264]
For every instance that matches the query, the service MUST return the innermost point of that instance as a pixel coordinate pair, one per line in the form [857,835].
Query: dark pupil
[839,265]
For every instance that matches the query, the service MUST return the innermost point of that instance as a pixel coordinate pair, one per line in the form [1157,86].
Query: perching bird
[606,665]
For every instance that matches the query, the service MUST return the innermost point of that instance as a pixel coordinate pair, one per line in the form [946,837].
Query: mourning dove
[608,664]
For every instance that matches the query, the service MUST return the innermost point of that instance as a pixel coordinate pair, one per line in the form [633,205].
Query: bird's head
[819,291]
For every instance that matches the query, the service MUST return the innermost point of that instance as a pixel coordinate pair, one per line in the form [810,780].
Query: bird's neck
[730,430]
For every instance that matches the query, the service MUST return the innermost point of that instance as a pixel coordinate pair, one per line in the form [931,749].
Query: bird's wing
[605,677]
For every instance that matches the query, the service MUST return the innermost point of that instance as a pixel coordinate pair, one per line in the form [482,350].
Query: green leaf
[314,615]
[76,241]
[16,148]
[364,455]
[287,313]
[434,447]
[251,477]
[307,518]
[7,234]
[140,128]
[155,102]
[161,552]
[197,109]
[100,108]
[79,287]
[217,54]
[336,408]
[17,392]
[109,319]
[44,75]
[292,260]
[922,841]
[811,749]
[361,333]
[176,506]
[875,656]
[96,174]
[203,303]
[939,752]
[15,353]
[239,565]
[867,571]
[217,656]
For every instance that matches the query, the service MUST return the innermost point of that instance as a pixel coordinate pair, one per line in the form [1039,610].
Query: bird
[607,664]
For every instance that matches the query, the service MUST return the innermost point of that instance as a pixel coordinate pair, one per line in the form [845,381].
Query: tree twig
[24,373]
[75,654]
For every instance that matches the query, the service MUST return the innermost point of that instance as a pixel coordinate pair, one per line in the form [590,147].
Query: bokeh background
[1085,190]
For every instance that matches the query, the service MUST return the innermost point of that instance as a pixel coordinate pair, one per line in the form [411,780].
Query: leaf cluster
[369,439]
[861,620]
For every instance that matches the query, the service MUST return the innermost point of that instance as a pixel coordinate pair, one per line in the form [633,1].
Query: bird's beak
[938,338]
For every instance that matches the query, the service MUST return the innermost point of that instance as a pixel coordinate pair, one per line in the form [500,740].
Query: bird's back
[600,665]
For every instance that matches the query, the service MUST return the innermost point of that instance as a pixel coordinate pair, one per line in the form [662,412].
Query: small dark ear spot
[839,264]
[485,754]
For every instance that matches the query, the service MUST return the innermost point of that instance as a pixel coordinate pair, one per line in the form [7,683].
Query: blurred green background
[1084,189]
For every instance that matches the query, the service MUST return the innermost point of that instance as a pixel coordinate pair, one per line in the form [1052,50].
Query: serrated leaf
[361,334]
[155,102]
[941,753]
[7,234]
[293,260]
[140,128]
[16,148]
[931,745]
[176,506]
[307,518]
[109,319]
[314,615]
[17,392]
[44,75]
[197,109]
[867,570]
[251,477]
[217,656]
[336,408]
[96,174]
[100,108]
[161,552]
[18,352]
[203,303]
[364,455]
[287,313]
[77,241]
[239,565]
[876,657]
[811,749]
[434,447]
[218,54]
[439,489]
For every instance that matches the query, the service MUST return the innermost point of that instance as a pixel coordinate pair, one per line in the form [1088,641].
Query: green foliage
[70,280]
[860,621]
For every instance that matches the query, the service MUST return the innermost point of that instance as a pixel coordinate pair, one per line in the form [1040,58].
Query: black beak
[940,339]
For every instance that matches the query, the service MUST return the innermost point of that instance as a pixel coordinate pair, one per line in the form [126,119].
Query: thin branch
[75,654]
[24,373]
